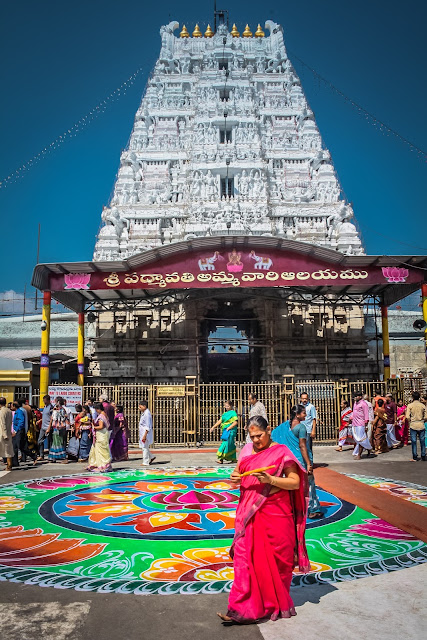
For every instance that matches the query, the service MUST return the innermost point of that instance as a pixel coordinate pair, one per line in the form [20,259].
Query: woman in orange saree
[270,527]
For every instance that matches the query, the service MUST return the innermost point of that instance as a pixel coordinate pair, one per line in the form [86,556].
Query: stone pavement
[385,607]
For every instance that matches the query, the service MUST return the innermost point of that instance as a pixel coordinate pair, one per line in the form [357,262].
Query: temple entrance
[228,353]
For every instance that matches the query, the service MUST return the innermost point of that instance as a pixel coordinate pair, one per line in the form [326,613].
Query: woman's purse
[225,435]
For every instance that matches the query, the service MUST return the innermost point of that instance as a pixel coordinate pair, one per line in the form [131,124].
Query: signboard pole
[424,297]
[386,341]
[45,340]
[81,350]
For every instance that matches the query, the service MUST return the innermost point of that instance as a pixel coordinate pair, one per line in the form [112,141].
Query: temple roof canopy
[236,263]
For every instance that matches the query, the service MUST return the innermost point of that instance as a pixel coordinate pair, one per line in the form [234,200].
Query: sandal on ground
[225,618]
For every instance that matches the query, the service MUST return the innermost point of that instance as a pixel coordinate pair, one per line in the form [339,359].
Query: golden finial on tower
[209,33]
[247,32]
[234,32]
[197,33]
[184,33]
[259,33]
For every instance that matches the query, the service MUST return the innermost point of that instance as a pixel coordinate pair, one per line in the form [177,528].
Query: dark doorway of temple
[229,353]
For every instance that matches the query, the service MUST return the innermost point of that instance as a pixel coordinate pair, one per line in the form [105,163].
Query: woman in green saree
[228,423]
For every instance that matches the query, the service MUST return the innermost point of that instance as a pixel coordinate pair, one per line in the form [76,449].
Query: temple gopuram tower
[224,142]
[224,146]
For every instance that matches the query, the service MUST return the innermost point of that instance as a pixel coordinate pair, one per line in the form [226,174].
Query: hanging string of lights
[376,122]
[73,131]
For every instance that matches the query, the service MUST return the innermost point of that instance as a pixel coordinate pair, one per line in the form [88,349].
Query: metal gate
[325,397]
[184,413]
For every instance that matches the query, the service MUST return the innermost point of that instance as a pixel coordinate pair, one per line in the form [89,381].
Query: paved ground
[364,608]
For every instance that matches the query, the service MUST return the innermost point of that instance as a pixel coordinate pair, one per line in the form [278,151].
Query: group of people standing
[379,425]
[99,433]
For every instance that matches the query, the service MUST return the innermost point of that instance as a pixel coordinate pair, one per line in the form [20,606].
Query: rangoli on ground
[169,531]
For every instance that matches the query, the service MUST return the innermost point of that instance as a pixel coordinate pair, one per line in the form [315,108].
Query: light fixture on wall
[419,324]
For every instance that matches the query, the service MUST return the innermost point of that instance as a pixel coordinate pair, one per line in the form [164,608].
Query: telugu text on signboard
[171,390]
[72,394]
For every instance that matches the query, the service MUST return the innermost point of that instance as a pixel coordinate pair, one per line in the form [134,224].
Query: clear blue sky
[59,60]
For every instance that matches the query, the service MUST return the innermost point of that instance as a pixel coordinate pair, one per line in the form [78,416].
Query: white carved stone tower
[224,142]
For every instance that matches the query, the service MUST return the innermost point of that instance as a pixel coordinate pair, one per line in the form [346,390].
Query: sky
[60,60]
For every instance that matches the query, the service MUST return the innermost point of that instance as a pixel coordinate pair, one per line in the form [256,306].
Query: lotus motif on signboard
[77,280]
[395,274]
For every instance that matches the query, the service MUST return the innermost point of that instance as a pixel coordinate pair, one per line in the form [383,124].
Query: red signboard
[235,268]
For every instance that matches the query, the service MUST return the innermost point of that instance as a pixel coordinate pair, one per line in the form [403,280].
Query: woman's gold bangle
[273,481]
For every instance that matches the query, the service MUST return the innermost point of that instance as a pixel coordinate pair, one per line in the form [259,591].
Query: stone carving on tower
[224,142]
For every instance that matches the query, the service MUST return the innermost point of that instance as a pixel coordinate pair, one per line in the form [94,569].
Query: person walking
[146,433]
[371,413]
[416,414]
[360,424]
[6,445]
[256,409]
[402,429]
[19,438]
[311,417]
[108,408]
[390,408]
[346,432]
[31,428]
[83,423]
[100,454]
[293,434]
[310,423]
[379,429]
[46,416]
[119,443]
[59,422]
[228,422]
[269,530]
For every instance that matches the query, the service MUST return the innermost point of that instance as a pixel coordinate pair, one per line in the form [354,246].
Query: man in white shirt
[256,409]
[146,433]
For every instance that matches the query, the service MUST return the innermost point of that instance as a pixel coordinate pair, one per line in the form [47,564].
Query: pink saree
[269,539]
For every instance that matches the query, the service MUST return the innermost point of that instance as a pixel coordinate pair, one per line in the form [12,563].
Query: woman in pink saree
[269,532]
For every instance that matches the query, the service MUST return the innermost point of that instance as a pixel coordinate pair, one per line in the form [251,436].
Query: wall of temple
[283,338]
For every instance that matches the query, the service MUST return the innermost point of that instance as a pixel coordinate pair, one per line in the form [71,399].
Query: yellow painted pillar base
[386,341]
[81,350]
[45,341]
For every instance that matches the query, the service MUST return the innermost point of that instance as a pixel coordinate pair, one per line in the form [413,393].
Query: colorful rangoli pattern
[405,490]
[170,530]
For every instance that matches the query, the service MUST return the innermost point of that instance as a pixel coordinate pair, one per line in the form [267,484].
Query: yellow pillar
[424,296]
[44,357]
[386,341]
[81,350]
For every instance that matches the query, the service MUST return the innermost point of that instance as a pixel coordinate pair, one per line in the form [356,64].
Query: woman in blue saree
[293,434]
[228,422]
